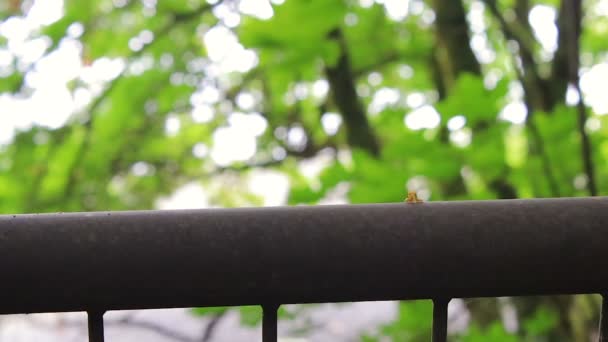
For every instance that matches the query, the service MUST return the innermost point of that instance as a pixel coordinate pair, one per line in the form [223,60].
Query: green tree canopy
[110,105]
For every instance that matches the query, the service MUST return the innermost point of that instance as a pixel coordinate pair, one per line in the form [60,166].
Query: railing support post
[440,319]
[269,322]
[95,323]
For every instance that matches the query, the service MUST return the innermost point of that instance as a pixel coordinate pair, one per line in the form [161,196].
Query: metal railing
[102,261]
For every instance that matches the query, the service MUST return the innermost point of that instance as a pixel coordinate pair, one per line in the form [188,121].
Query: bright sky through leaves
[52,104]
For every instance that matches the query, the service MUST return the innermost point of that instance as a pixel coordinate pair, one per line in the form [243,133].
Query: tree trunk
[344,94]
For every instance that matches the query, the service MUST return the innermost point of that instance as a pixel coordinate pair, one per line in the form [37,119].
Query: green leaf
[414,322]
[541,322]
[209,311]
[250,315]
[469,97]
[495,332]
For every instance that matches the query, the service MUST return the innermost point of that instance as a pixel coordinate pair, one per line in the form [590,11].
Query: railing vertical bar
[440,319]
[604,319]
[269,322]
[95,323]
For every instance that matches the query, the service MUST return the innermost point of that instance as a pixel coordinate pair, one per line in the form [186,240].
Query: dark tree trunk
[344,94]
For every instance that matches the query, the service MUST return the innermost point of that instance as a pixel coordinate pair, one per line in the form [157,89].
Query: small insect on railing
[97,262]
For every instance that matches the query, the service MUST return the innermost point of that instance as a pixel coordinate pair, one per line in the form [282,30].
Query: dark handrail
[157,259]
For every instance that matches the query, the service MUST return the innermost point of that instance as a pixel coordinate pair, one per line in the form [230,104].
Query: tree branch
[151,326]
[307,153]
[537,89]
[342,82]
[176,18]
[542,152]
[451,57]
[572,27]
[453,53]
[538,139]
[381,62]
[560,67]
[534,91]
[129,322]
[211,326]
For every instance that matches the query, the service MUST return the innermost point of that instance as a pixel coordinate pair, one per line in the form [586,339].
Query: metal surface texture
[304,254]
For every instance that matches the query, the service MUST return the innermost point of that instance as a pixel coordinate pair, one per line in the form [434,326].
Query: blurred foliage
[475,111]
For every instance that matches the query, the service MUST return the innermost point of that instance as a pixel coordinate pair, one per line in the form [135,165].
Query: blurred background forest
[144,104]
